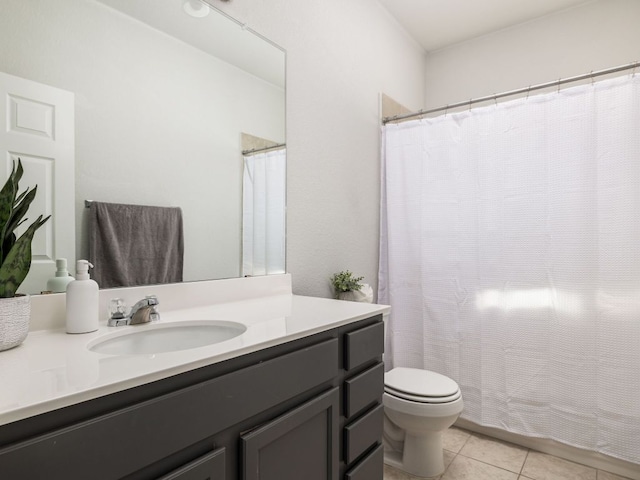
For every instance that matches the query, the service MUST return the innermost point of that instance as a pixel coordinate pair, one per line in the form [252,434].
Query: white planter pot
[365,294]
[14,320]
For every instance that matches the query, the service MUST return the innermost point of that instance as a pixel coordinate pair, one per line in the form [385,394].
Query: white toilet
[419,406]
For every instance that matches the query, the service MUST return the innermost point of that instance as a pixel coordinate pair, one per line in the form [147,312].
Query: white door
[37,126]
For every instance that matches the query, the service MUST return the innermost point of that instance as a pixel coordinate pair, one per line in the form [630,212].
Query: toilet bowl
[419,406]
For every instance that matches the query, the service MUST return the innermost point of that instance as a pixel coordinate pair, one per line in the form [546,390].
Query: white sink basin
[166,337]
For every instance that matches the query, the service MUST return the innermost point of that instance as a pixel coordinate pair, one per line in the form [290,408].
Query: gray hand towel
[135,244]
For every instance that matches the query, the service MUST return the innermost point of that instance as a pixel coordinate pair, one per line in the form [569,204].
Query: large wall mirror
[164,92]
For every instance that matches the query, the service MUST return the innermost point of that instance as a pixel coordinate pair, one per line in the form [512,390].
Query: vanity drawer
[364,389]
[364,345]
[369,468]
[363,433]
[206,467]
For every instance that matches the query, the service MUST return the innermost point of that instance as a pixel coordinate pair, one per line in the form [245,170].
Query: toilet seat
[415,398]
[422,386]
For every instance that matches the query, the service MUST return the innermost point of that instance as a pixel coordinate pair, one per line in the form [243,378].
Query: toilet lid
[416,398]
[414,382]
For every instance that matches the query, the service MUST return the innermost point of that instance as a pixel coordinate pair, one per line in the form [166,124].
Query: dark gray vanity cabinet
[308,409]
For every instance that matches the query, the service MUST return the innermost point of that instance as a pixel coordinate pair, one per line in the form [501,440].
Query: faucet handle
[152,300]
[154,315]
[116,312]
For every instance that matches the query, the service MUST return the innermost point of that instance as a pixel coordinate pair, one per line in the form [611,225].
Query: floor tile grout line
[525,461]
[528,450]
[447,467]
[465,442]
[491,464]
[457,453]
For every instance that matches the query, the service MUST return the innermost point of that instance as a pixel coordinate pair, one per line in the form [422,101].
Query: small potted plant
[15,259]
[348,287]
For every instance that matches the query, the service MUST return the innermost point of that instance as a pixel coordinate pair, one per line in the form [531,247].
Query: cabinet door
[302,443]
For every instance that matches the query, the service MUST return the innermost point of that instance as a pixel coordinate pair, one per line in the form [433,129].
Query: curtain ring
[592,78]
[495,99]
[528,92]
[446,109]
[633,72]
[470,100]
[559,84]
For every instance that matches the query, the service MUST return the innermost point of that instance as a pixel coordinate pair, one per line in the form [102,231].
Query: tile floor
[470,456]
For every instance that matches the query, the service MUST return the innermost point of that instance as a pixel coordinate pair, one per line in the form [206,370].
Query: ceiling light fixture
[196,8]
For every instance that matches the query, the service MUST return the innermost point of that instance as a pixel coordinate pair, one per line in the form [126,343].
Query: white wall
[598,35]
[340,56]
[148,129]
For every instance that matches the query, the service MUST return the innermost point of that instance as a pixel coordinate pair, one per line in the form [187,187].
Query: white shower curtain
[510,254]
[264,211]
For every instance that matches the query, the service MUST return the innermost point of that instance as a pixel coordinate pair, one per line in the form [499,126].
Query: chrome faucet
[144,311]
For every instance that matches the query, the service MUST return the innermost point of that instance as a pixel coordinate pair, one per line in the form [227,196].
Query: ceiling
[439,23]
[214,34]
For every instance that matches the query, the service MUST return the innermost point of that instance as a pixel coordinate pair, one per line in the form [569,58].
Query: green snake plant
[15,253]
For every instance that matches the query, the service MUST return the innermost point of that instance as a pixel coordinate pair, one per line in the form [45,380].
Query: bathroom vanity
[298,395]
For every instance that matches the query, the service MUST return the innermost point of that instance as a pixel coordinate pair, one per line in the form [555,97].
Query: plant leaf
[17,200]
[8,242]
[17,263]
[18,174]
[20,209]
[7,201]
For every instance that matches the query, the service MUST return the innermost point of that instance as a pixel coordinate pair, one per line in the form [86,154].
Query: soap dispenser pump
[82,301]
[58,284]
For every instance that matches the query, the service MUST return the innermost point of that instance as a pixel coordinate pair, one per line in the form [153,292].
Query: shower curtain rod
[526,90]
[258,150]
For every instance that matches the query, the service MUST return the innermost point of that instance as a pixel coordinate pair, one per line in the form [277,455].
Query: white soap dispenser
[58,284]
[82,301]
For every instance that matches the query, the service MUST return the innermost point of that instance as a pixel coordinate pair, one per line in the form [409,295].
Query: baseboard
[573,454]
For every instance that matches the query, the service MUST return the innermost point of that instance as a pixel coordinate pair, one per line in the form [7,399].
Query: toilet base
[422,456]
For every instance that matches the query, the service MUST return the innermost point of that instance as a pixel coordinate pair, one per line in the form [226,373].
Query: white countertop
[52,369]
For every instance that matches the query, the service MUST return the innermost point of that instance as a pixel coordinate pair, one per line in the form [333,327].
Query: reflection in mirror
[160,101]
[263,206]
